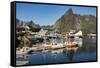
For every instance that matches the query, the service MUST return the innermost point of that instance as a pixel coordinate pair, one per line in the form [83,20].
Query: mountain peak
[71,21]
[69,11]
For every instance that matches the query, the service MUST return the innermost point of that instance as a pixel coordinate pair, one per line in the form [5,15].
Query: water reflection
[85,53]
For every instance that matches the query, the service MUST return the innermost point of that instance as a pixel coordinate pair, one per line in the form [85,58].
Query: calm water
[86,53]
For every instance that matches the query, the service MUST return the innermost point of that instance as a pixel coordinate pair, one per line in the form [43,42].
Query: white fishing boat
[57,46]
[23,51]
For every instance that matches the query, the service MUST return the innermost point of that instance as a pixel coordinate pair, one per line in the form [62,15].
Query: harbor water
[86,53]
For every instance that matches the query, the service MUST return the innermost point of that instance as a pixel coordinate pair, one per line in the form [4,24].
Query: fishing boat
[23,52]
[57,46]
[72,46]
[73,43]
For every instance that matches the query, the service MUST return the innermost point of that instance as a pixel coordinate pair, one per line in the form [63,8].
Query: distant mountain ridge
[68,21]
[29,23]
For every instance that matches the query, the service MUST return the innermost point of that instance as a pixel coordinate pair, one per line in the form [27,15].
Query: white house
[42,32]
[79,33]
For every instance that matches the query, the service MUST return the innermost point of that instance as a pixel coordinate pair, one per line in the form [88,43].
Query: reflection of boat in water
[57,51]
[72,44]
[23,52]
[70,50]
[22,55]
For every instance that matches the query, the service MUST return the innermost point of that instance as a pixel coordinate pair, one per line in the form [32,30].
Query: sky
[48,14]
